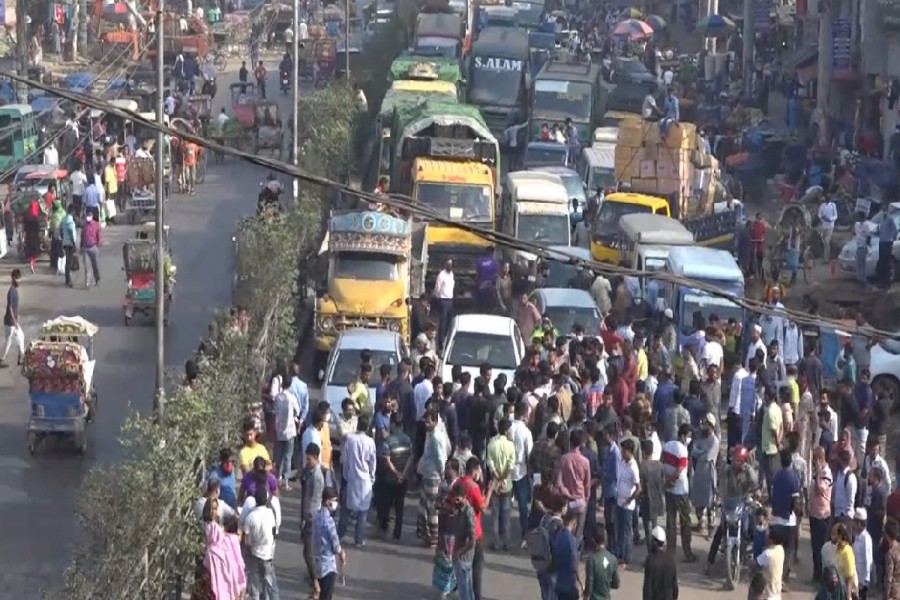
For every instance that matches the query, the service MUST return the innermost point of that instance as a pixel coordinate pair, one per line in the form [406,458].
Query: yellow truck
[371,273]
[446,159]
[672,176]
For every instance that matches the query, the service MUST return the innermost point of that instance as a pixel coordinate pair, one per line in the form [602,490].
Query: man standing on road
[443,295]
[68,236]
[678,507]
[92,199]
[90,248]
[287,415]
[258,532]
[827,216]
[260,74]
[313,488]
[11,320]
[358,460]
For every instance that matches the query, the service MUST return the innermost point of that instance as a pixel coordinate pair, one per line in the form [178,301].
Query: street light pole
[158,396]
[295,99]
[347,39]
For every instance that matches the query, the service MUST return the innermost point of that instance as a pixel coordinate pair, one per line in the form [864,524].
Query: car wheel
[889,385]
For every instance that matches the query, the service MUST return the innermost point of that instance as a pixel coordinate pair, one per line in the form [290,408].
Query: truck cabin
[529,15]
[438,33]
[564,90]
[642,230]
[455,190]
[536,208]
[596,166]
[498,76]
[545,154]
[715,268]
[605,229]
[541,48]
[625,100]
[496,15]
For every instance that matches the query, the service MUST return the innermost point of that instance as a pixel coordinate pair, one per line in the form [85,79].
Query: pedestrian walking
[327,545]
[258,529]
[90,248]
[11,319]
[358,460]
[287,416]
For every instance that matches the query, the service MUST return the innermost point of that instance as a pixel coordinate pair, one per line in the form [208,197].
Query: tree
[141,533]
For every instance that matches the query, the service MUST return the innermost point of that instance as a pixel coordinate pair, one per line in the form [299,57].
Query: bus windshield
[560,99]
[365,266]
[607,224]
[470,203]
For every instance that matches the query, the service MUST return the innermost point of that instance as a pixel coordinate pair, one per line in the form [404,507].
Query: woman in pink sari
[222,576]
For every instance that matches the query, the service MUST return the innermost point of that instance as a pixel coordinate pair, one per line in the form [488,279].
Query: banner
[840,31]
[762,15]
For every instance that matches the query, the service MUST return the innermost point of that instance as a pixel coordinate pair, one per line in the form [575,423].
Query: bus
[18,136]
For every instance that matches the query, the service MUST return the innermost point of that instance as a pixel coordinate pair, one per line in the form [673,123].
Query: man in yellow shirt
[501,460]
[110,181]
[251,449]
[643,365]
[359,392]
[844,560]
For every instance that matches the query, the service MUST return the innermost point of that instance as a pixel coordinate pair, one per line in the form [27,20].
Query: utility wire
[410,206]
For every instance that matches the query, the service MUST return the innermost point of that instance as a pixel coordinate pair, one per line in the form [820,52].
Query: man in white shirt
[756,344]
[668,77]
[649,110]
[443,297]
[628,486]
[861,235]
[79,182]
[771,563]
[678,504]
[170,105]
[845,486]
[303,30]
[827,216]
[51,155]
[792,347]
[713,353]
[523,442]
[287,415]
[862,552]
[423,391]
[222,118]
[258,528]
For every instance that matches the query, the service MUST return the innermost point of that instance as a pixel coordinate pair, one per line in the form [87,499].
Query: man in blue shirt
[664,397]
[564,550]
[92,199]
[785,500]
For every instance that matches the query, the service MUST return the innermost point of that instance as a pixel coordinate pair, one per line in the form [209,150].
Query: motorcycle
[209,87]
[738,538]
[268,201]
[285,79]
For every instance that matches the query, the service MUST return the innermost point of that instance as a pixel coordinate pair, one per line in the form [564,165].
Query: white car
[342,368]
[885,368]
[476,339]
[847,257]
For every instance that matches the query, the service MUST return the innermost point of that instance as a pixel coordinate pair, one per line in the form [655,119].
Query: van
[596,166]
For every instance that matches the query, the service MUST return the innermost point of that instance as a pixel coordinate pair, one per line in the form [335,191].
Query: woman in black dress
[31,227]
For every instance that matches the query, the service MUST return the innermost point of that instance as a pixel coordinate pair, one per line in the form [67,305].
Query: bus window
[6,143]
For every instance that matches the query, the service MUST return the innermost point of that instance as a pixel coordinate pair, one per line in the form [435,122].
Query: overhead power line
[409,205]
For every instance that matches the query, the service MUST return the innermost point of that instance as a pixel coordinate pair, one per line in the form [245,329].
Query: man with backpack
[539,545]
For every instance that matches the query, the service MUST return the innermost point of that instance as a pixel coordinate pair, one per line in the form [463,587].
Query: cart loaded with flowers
[60,373]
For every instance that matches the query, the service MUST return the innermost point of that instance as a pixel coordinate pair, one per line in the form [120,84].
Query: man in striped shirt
[675,461]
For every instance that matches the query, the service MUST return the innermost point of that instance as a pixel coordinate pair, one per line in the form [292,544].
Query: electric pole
[82,25]
[827,12]
[159,393]
[22,48]
[295,100]
[347,39]
[749,44]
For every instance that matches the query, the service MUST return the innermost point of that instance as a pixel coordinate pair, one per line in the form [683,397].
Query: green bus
[18,135]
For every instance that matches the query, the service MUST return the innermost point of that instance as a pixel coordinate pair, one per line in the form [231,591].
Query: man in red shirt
[472,481]
[892,506]
[758,231]
[260,73]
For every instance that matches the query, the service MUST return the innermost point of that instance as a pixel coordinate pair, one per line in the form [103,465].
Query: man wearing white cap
[756,344]
[862,552]
[660,574]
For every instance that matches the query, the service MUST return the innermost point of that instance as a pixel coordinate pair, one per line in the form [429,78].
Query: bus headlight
[394,325]
[327,324]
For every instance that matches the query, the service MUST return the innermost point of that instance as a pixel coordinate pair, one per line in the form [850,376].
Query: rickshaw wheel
[32,442]
[127,320]
[81,443]
[807,263]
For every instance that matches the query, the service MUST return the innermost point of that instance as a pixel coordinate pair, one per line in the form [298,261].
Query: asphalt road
[39,494]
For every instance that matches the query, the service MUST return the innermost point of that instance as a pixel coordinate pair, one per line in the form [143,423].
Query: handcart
[140,276]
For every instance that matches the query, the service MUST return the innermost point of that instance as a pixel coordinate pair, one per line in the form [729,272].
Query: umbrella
[634,29]
[713,25]
[655,22]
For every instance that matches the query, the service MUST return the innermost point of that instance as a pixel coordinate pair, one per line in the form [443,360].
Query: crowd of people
[605,445]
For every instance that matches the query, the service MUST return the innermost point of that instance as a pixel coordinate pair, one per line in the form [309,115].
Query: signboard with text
[840,49]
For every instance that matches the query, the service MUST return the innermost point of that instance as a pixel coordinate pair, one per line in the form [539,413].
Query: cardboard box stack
[659,167]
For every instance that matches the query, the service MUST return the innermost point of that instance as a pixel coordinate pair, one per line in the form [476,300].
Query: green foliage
[141,533]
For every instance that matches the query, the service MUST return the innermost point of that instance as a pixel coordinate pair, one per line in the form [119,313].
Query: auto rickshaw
[325,55]
[59,366]
[268,127]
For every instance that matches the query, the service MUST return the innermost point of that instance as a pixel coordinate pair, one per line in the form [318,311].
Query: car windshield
[346,365]
[560,99]
[368,266]
[565,317]
[545,157]
[472,349]
[602,178]
[546,229]
[470,203]
[607,223]
[574,188]
[706,305]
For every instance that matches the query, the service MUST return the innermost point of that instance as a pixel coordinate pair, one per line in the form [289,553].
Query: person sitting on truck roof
[671,112]
[649,110]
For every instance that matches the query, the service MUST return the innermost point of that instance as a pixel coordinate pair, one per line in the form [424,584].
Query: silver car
[342,368]
[847,257]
